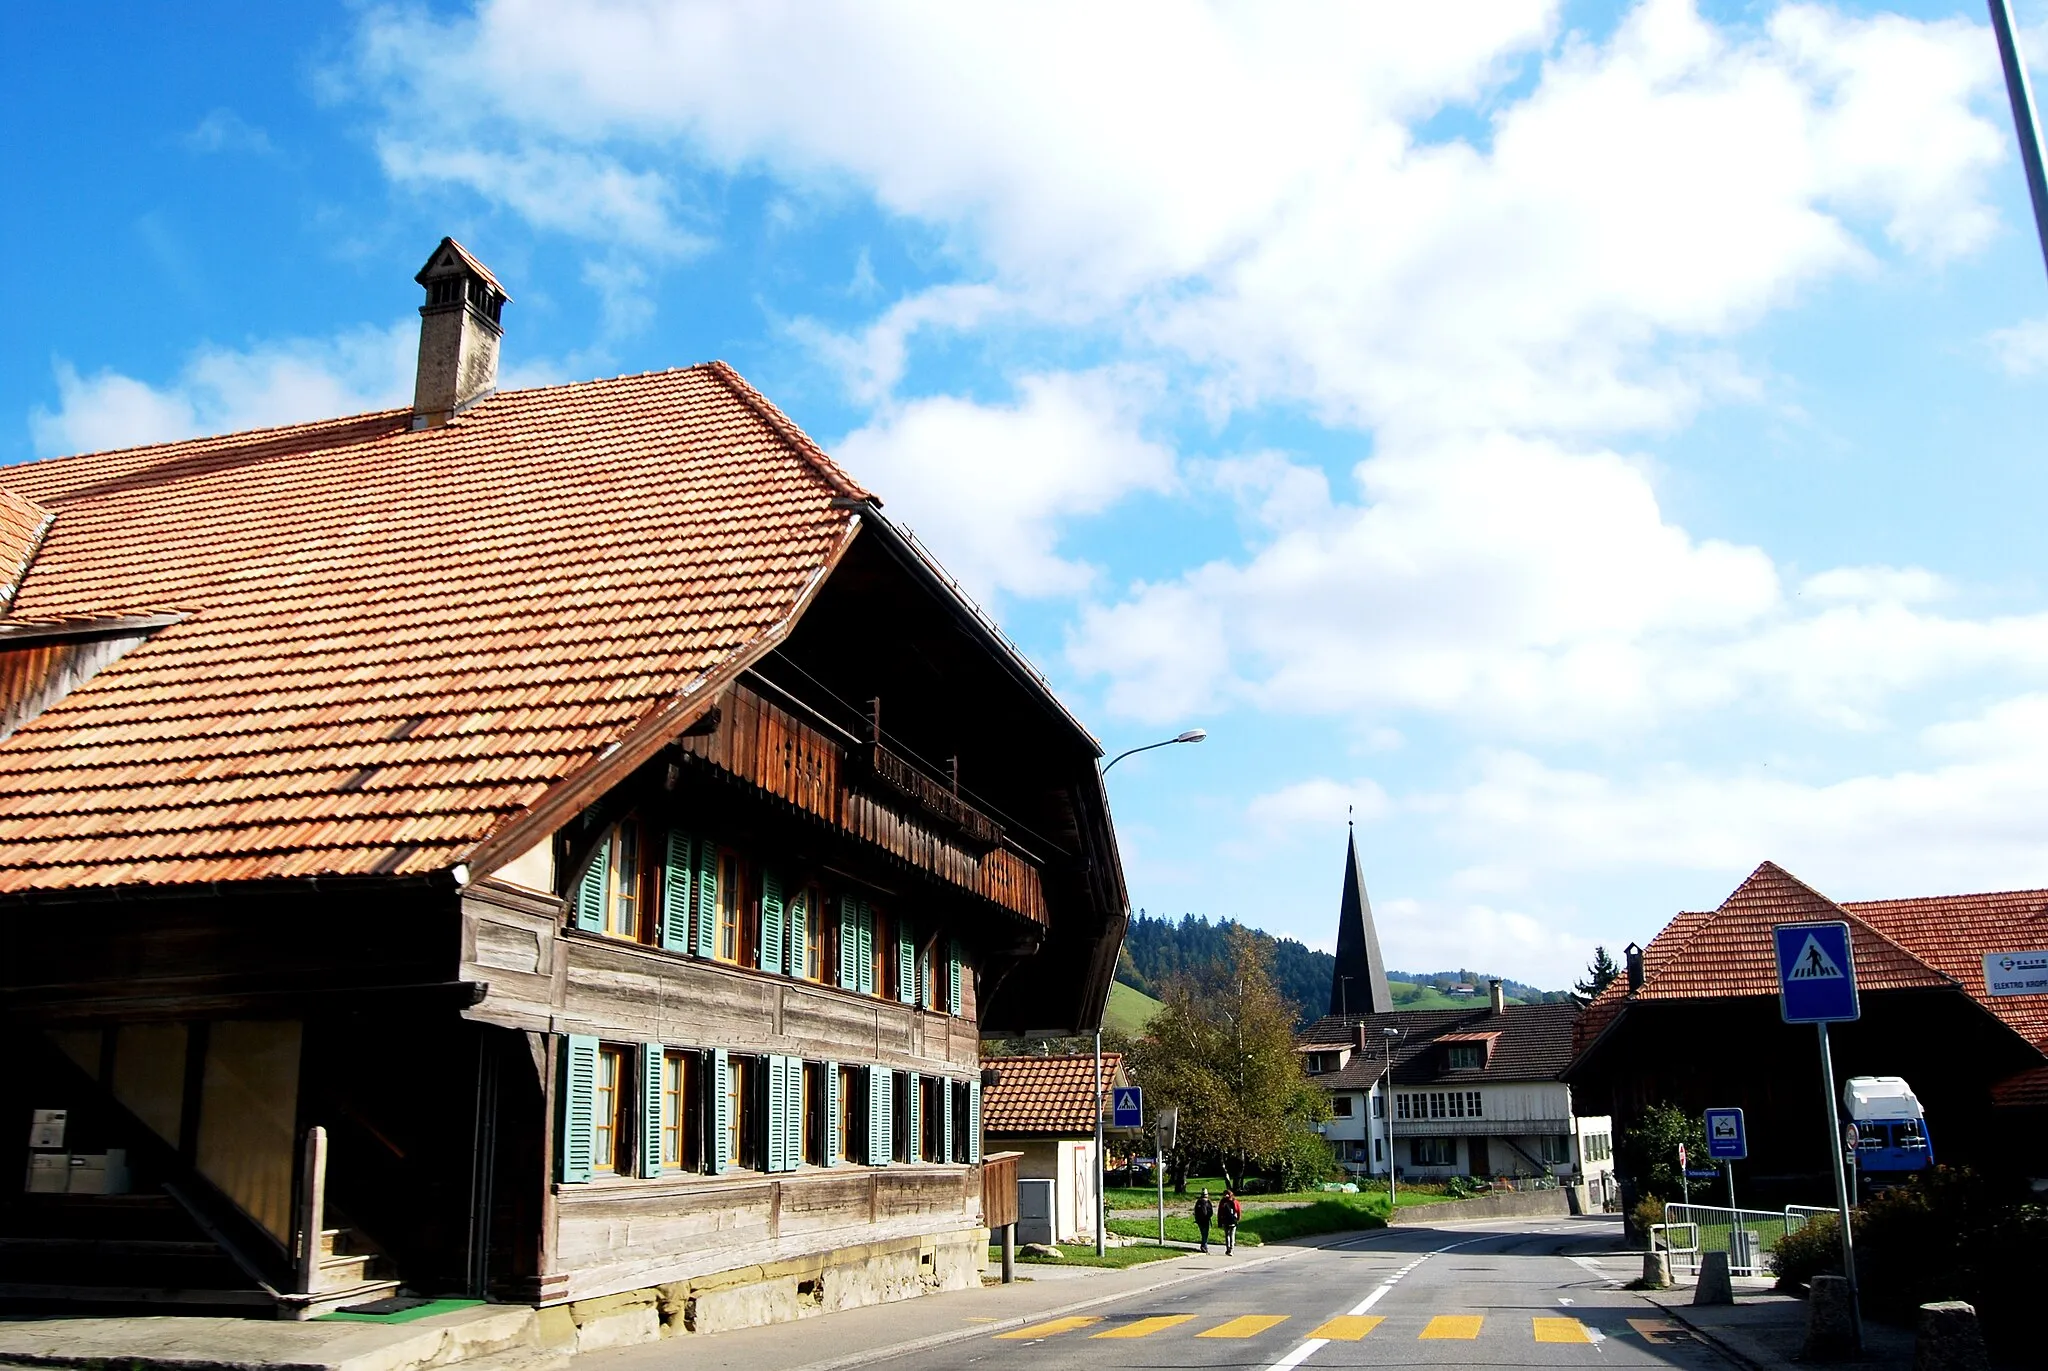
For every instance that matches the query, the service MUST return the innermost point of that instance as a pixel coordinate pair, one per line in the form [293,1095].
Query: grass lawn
[1083,1254]
[1324,1214]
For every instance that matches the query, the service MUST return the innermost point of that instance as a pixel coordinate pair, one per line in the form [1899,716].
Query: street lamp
[1193,735]
[1393,1038]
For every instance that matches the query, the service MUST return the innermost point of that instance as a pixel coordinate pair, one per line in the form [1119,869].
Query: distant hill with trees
[1157,951]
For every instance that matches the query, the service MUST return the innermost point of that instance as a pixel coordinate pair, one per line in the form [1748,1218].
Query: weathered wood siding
[547,979]
[625,1234]
[769,746]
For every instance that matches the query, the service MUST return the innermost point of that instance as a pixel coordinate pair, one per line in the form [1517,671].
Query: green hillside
[1423,995]
[1129,1010]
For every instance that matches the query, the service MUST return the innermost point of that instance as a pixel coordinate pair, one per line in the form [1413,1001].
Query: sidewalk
[1765,1331]
[509,1338]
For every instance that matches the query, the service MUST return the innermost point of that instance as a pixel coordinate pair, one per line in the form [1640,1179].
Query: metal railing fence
[1714,1229]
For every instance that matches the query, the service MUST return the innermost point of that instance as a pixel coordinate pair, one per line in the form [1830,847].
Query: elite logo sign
[2016,973]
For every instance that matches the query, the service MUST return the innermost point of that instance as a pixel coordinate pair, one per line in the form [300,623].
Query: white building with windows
[1431,1094]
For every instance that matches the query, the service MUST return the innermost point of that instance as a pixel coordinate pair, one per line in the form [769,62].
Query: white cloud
[1201,179]
[222,130]
[2021,350]
[1967,819]
[1440,935]
[219,390]
[1312,805]
[990,486]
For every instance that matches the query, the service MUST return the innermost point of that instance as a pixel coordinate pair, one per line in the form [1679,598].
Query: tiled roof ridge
[784,428]
[1867,926]
[23,524]
[2020,892]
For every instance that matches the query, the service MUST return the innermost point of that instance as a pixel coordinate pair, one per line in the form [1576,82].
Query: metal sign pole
[1827,1080]
[1101,1158]
[1731,1195]
[1159,1170]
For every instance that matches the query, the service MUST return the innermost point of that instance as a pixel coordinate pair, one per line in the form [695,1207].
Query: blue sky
[1598,442]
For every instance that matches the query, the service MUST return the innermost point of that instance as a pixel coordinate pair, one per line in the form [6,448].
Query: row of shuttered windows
[1437,1104]
[706,901]
[646,1109]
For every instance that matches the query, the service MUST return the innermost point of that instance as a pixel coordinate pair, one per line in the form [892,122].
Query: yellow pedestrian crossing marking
[1143,1328]
[1050,1327]
[1348,1327]
[1244,1326]
[1462,1327]
[1561,1330]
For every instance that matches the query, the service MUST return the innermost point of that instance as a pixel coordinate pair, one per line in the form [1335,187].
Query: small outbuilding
[1045,1108]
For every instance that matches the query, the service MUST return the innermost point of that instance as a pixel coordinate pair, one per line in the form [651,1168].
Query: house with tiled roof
[1044,1108]
[1429,1094]
[1695,1020]
[560,845]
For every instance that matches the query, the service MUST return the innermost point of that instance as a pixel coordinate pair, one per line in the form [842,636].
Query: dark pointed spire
[1359,985]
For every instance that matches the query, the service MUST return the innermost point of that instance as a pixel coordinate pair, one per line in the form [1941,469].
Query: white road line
[1310,1346]
[1300,1354]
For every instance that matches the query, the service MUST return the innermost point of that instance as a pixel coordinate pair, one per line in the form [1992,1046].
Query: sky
[1594,448]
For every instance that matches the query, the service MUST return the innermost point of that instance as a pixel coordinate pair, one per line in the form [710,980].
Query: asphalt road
[1508,1294]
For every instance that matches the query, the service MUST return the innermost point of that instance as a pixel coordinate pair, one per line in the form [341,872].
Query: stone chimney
[459,332]
[1498,996]
[1634,956]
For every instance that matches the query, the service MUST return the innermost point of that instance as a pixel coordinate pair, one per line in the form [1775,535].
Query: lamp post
[2021,95]
[1193,735]
[1393,1038]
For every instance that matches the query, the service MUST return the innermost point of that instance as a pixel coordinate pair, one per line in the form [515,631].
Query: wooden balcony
[872,793]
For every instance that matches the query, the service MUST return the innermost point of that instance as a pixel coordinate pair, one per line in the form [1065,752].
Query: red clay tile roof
[1529,1042]
[1935,942]
[396,642]
[1951,933]
[1045,1094]
[2027,1090]
[23,524]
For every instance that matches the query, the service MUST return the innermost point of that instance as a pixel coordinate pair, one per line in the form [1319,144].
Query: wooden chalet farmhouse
[560,844]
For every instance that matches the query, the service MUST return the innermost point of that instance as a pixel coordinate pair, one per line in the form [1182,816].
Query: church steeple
[1359,985]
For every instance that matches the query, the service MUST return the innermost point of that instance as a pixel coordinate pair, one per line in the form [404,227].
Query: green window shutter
[706,890]
[771,920]
[974,1122]
[675,892]
[576,1133]
[833,1106]
[881,1115]
[849,943]
[720,1150]
[925,994]
[913,1122]
[794,1146]
[864,964]
[906,963]
[650,1109]
[778,1114]
[946,1120]
[797,915]
[590,890]
[954,968]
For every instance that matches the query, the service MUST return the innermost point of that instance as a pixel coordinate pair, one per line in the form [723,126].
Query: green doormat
[398,1309]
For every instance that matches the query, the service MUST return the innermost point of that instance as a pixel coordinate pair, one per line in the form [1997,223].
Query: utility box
[1034,1211]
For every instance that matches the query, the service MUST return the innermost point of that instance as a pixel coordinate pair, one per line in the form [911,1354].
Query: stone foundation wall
[1521,1204]
[847,1278]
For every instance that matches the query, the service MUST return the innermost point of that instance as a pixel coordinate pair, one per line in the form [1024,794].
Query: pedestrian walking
[1228,1212]
[1204,1213]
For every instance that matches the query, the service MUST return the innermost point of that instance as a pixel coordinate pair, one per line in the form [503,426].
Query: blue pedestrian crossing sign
[1127,1107]
[1726,1141]
[1816,975]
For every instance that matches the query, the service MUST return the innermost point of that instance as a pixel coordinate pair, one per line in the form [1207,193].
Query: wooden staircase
[342,1276]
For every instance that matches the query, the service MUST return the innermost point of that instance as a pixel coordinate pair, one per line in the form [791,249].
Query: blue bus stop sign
[1127,1107]
[1816,976]
[1726,1141]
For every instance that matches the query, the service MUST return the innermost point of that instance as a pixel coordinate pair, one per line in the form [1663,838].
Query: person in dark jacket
[1228,1212]
[1204,1213]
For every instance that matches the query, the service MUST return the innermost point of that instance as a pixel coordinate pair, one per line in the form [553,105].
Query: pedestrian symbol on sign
[1814,964]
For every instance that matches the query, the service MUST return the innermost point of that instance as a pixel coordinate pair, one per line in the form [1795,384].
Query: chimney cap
[450,258]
